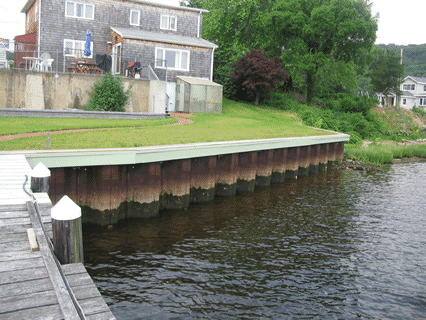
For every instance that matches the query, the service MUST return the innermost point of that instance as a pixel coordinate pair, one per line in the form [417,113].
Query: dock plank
[16,276]
[28,300]
[41,313]
[30,283]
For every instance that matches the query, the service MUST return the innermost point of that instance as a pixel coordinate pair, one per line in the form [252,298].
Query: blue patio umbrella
[87,51]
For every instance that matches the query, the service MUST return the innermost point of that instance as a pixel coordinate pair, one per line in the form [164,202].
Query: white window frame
[76,4]
[422,102]
[410,87]
[139,17]
[404,101]
[160,61]
[424,88]
[168,25]
[76,53]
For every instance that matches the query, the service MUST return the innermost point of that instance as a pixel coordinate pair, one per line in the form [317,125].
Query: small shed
[198,95]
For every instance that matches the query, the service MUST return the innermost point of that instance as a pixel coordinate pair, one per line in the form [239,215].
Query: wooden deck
[31,284]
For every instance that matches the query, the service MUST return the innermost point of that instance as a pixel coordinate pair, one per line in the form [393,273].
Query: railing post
[40,178]
[67,231]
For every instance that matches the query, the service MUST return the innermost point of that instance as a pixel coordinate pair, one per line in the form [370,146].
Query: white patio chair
[42,63]
[4,63]
[46,65]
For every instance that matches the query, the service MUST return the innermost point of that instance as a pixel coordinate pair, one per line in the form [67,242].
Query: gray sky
[401,22]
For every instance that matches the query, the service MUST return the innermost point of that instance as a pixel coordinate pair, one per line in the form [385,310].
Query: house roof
[408,94]
[170,6]
[29,3]
[199,81]
[138,34]
[416,79]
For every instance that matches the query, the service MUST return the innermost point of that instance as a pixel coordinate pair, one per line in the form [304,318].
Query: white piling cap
[66,209]
[40,171]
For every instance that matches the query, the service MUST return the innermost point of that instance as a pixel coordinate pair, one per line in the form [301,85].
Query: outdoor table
[33,62]
[88,67]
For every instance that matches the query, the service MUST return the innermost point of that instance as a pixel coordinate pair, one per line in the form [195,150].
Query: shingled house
[149,33]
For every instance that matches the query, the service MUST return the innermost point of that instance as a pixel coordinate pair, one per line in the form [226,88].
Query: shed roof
[199,81]
[138,34]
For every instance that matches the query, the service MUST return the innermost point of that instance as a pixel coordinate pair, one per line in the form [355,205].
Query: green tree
[386,71]
[308,33]
[235,26]
[336,77]
[108,94]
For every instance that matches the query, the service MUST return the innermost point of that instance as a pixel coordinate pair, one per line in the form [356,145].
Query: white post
[40,178]
[67,231]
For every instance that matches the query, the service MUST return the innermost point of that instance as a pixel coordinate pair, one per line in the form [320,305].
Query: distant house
[413,92]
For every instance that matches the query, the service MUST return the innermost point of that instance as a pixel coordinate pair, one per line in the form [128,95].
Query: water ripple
[336,245]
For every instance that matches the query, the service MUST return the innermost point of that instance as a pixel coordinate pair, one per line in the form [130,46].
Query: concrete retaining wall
[21,89]
[109,193]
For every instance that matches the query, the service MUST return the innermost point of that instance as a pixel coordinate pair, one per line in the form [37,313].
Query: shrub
[108,95]
[355,139]
[257,75]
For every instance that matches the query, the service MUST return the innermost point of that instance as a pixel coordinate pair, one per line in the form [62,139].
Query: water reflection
[332,245]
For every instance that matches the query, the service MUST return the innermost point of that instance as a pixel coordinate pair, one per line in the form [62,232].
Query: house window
[134,17]
[73,48]
[176,59]
[408,87]
[404,101]
[79,10]
[424,88]
[168,22]
[422,102]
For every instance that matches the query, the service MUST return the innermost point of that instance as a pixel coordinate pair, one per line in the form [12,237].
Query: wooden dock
[32,284]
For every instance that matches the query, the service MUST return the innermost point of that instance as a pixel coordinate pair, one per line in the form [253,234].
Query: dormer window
[168,22]
[408,87]
[134,17]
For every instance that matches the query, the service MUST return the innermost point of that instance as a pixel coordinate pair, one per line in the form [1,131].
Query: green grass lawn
[239,121]
[10,126]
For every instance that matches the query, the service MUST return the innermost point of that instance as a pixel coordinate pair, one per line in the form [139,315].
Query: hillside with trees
[413,58]
[332,68]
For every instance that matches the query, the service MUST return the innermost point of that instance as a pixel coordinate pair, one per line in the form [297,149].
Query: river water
[334,245]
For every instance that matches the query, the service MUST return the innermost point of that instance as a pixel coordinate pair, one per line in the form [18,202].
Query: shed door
[171,92]
[182,96]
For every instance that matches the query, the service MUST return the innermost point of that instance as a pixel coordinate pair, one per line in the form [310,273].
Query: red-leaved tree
[257,75]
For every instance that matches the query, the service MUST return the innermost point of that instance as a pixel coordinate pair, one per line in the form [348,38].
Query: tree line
[313,47]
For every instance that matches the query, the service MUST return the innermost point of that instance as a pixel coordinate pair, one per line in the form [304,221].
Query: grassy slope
[239,121]
[10,126]
[400,124]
